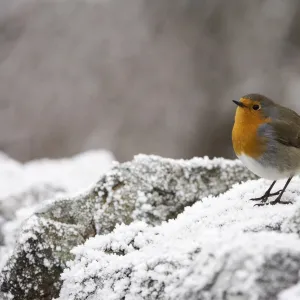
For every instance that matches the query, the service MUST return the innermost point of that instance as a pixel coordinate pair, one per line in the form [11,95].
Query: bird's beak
[238,103]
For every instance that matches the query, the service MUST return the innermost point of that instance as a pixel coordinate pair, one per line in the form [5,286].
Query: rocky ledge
[149,189]
[219,248]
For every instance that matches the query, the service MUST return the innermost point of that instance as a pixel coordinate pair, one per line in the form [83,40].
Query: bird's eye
[256,107]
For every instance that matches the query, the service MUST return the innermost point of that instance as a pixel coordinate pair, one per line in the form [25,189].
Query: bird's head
[253,108]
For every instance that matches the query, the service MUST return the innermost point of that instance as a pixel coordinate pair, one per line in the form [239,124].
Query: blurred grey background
[139,76]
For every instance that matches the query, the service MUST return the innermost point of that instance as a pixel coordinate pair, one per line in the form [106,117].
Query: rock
[25,187]
[255,266]
[16,208]
[2,221]
[219,248]
[30,197]
[149,189]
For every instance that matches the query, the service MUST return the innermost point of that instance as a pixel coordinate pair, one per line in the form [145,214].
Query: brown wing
[286,133]
[287,114]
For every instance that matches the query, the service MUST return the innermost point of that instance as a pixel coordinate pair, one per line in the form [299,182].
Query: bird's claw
[273,203]
[260,204]
[280,202]
[265,197]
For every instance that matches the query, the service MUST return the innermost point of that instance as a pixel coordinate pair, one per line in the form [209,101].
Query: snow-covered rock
[220,248]
[28,198]
[16,208]
[149,189]
[25,187]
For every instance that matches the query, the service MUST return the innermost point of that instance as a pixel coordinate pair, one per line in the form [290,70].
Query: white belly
[261,171]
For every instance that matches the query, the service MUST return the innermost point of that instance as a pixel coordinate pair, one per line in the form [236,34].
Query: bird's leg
[278,199]
[267,194]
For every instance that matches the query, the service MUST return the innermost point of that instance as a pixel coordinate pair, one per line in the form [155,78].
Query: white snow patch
[24,187]
[74,173]
[177,257]
[293,293]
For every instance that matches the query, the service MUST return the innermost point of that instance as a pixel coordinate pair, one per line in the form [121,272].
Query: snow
[149,188]
[219,247]
[25,187]
[292,293]
[224,237]
[73,174]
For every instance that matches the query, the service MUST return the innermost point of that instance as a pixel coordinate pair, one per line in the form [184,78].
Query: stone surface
[30,197]
[24,187]
[149,189]
[219,248]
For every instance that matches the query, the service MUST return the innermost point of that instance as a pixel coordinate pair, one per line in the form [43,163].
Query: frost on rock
[37,262]
[153,189]
[28,198]
[15,209]
[220,248]
[149,189]
[25,187]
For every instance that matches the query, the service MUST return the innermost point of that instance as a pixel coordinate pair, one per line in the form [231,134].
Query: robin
[266,138]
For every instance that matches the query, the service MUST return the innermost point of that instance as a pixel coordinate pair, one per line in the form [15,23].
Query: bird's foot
[265,197]
[276,201]
[280,202]
[261,204]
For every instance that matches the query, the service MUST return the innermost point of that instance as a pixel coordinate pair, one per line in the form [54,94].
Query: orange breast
[244,134]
